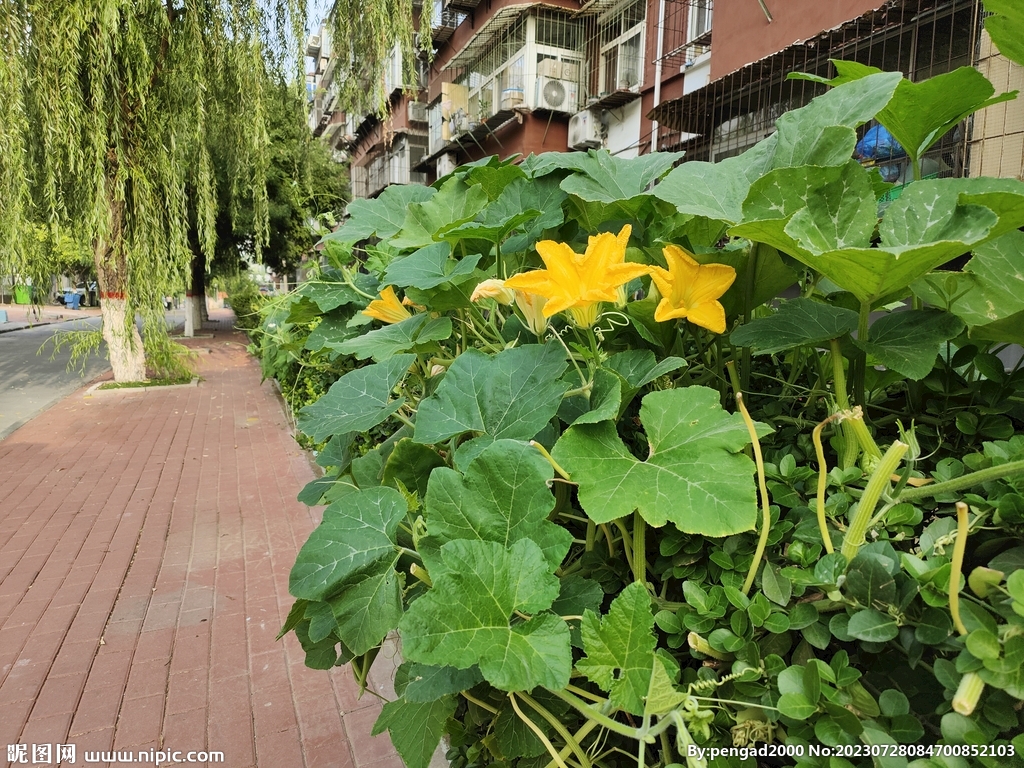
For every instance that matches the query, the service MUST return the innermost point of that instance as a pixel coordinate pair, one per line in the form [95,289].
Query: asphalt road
[30,382]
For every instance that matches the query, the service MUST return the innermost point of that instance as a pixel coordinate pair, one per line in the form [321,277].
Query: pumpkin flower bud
[437,370]
[968,693]
[532,307]
[493,289]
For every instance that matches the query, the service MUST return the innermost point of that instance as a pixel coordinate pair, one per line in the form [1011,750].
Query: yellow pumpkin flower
[690,290]
[387,309]
[578,283]
[493,289]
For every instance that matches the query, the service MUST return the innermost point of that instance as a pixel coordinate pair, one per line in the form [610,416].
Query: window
[698,21]
[622,47]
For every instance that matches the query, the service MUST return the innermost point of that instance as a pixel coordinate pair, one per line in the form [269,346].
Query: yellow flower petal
[580,282]
[387,309]
[691,290]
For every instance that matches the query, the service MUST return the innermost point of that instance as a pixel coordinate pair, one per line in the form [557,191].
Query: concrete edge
[95,388]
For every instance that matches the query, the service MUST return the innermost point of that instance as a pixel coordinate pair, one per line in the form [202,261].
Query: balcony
[394,166]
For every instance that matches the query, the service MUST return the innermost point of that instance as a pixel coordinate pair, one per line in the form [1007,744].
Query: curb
[95,388]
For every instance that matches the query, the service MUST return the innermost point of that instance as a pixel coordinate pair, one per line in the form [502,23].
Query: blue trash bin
[72,300]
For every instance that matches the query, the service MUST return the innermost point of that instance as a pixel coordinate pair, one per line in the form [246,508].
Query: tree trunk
[124,344]
[195,297]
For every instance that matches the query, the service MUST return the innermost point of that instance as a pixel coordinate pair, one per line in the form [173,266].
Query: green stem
[554,464]
[964,481]
[848,450]
[591,535]
[748,306]
[766,515]
[879,479]
[863,318]
[557,757]
[596,715]
[639,548]
[956,567]
[560,729]
[627,542]
[822,483]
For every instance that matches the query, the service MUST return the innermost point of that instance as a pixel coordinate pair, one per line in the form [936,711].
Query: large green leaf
[822,132]
[798,322]
[931,223]
[619,648]
[355,538]
[695,475]
[384,343]
[503,497]
[465,617]
[522,201]
[381,217]
[1006,27]
[714,190]
[411,465]
[638,367]
[908,342]
[989,294]
[827,208]
[331,333]
[422,682]
[602,403]
[920,114]
[602,177]
[416,727]
[819,134]
[359,400]
[509,395]
[368,610]
[331,290]
[454,203]
[429,267]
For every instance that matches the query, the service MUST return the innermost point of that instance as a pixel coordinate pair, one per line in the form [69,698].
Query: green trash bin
[22,294]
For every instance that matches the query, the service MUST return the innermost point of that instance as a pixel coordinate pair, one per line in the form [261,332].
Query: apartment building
[732,97]
[511,77]
[634,76]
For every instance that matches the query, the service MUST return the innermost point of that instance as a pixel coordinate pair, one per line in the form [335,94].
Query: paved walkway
[19,316]
[145,544]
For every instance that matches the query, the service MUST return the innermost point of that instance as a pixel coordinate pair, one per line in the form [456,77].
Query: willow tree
[107,109]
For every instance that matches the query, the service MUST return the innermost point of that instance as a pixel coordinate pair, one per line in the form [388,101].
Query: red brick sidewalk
[145,544]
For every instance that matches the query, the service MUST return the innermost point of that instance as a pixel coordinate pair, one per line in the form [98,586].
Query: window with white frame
[622,46]
[698,21]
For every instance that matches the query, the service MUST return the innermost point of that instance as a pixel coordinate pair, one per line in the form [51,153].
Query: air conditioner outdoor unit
[549,68]
[313,46]
[584,131]
[556,95]
[417,112]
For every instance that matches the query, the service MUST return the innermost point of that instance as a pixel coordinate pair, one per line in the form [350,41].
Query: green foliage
[245,300]
[564,516]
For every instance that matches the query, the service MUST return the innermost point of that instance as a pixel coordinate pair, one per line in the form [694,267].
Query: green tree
[108,109]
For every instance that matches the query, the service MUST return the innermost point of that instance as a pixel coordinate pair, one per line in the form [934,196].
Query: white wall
[624,130]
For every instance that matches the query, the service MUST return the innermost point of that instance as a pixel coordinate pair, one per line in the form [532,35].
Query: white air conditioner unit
[446,164]
[417,112]
[313,46]
[549,68]
[555,94]
[584,131]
